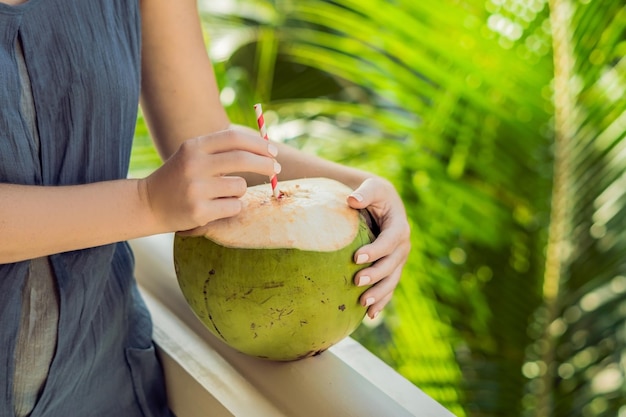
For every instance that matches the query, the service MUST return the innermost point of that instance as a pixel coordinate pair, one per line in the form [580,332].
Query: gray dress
[75,333]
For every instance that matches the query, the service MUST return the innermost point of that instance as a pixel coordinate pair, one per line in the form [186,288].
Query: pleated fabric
[83,61]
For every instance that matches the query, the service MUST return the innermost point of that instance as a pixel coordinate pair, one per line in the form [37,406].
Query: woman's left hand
[391,248]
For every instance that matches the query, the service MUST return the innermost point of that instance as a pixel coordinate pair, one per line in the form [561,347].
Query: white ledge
[206,377]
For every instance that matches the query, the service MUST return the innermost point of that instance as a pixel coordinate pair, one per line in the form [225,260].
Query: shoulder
[159,9]
[171,21]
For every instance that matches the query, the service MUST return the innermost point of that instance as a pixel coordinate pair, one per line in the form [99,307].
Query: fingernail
[369,301]
[277,167]
[362,258]
[272,149]
[375,315]
[364,280]
[358,197]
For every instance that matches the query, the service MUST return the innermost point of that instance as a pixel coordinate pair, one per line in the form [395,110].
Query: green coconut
[277,280]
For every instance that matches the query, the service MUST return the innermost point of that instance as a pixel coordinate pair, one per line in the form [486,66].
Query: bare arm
[180,100]
[180,97]
[36,220]
[188,191]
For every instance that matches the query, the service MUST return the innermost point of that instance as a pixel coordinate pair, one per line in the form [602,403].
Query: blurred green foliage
[505,172]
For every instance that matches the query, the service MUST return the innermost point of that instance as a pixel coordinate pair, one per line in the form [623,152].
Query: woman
[77,336]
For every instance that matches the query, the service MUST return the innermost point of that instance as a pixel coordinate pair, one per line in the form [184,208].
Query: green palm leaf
[455,103]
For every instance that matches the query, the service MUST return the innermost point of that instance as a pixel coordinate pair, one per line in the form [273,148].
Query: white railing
[207,378]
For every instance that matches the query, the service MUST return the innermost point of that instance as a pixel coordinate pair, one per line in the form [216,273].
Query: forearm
[37,221]
[298,164]
[179,98]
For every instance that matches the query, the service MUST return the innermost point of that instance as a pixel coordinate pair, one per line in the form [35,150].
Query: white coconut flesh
[294,220]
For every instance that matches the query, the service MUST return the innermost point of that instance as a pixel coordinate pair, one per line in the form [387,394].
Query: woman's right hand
[193,187]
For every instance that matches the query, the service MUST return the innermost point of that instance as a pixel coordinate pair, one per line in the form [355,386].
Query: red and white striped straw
[261,122]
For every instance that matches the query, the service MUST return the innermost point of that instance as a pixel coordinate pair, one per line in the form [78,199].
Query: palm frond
[453,102]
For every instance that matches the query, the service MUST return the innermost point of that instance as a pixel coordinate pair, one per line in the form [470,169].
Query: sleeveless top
[83,61]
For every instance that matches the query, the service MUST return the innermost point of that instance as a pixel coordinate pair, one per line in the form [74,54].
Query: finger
[227,186]
[375,309]
[365,195]
[227,140]
[222,208]
[242,161]
[213,210]
[378,292]
[394,236]
[201,192]
[380,269]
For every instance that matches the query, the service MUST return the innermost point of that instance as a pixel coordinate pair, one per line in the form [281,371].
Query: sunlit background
[502,123]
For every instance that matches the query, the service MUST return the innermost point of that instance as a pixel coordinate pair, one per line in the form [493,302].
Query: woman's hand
[193,187]
[391,248]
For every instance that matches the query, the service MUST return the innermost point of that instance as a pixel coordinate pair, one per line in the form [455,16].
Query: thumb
[363,196]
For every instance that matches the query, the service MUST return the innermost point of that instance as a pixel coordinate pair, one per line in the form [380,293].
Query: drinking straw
[261,122]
